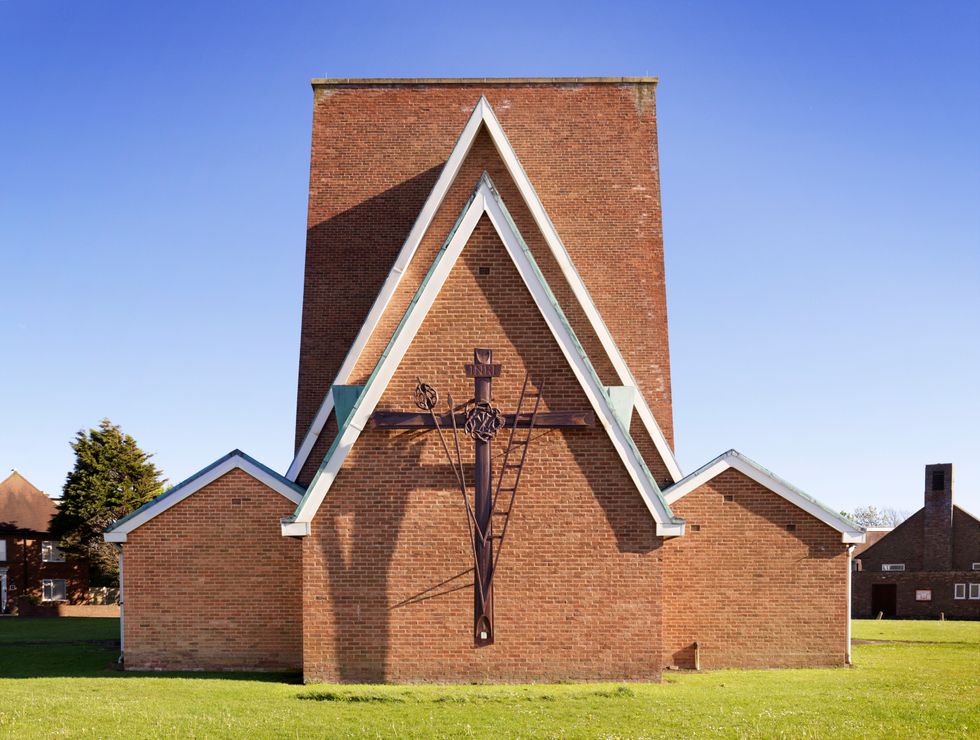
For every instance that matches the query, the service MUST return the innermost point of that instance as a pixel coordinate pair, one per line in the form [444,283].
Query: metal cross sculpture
[481,421]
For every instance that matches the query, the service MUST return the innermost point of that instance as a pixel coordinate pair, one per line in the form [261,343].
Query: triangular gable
[483,116]
[850,532]
[484,200]
[119,530]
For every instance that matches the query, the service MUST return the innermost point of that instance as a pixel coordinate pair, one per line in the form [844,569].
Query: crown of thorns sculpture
[483,420]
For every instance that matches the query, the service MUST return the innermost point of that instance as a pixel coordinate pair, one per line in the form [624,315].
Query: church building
[484,485]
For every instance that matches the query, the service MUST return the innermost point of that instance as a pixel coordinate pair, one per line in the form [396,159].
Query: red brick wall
[589,149]
[73,571]
[578,588]
[903,544]
[941,585]
[211,583]
[906,545]
[750,592]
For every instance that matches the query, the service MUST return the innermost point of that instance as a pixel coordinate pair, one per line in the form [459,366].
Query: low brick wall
[26,609]
[88,610]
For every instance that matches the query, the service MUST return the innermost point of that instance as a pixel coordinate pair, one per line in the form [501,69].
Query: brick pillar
[937,535]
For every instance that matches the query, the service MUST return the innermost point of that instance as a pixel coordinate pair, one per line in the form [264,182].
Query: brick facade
[210,584]
[750,592]
[938,545]
[579,583]
[589,148]
[381,587]
[24,565]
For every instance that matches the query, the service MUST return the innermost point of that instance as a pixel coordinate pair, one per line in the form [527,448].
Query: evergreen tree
[112,477]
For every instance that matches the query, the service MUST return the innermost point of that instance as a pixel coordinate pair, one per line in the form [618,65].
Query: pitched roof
[483,117]
[850,531]
[24,505]
[484,200]
[118,531]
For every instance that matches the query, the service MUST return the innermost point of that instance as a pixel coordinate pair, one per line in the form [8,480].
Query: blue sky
[821,194]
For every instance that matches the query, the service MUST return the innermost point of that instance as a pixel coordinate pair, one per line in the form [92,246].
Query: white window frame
[3,549]
[959,590]
[893,567]
[47,589]
[975,590]
[976,566]
[50,552]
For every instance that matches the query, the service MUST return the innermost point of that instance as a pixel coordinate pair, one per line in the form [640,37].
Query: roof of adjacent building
[24,506]
[873,535]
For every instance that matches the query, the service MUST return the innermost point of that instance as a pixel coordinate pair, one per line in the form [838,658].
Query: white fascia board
[581,293]
[119,533]
[732,459]
[431,206]
[294,529]
[387,366]
[483,202]
[593,391]
[483,115]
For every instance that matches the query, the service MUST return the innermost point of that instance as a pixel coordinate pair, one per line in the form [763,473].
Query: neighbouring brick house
[928,565]
[448,218]
[32,568]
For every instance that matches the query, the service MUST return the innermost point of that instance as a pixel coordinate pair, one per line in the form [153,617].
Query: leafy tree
[112,477]
[872,516]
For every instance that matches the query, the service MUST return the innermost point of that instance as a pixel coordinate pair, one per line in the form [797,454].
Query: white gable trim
[483,115]
[119,531]
[850,532]
[483,202]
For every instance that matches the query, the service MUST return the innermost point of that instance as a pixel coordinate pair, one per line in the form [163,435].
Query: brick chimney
[937,535]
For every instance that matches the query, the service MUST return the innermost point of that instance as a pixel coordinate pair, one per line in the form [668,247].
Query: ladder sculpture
[491,507]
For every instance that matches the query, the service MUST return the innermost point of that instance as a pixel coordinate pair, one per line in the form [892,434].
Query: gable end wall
[211,584]
[751,593]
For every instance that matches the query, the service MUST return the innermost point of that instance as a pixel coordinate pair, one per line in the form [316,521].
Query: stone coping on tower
[393,81]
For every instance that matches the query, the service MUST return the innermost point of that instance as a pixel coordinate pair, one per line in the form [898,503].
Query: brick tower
[588,145]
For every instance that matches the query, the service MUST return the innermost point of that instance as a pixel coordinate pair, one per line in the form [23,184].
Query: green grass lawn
[926,688]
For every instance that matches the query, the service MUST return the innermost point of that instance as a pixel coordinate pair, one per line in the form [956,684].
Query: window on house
[51,553]
[3,551]
[53,589]
[938,480]
[893,566]
[976,566]
[975,590]
[959,591]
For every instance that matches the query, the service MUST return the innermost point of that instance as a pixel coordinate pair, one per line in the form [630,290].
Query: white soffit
[483,115]
[118,531]
[484,201]
[850,532]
